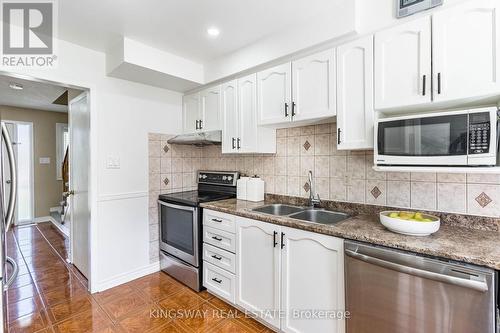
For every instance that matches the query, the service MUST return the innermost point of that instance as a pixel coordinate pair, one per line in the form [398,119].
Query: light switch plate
[44,160]
[113,162]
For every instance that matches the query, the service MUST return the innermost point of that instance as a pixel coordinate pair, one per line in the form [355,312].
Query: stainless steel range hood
[198,139]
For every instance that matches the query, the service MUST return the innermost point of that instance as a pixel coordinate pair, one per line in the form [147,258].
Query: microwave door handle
[9,216]
[471,284]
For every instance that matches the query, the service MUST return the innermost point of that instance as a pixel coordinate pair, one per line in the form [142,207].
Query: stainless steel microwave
[451,138]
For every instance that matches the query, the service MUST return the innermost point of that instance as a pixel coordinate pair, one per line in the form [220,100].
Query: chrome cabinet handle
[338,135]
[282,240]
[15,271]
[275,242]
[217,280]
[13,174]
[201,124]
[293,109]
[238,143]
[197,124]
[234,143]
[217,220]
[286,110]
[216,238]
[216,257]
[471,284]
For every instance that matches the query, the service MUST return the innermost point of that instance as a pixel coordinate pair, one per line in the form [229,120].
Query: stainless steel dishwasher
[389,290]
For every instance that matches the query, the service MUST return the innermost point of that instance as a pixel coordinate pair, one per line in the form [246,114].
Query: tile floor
[50,295]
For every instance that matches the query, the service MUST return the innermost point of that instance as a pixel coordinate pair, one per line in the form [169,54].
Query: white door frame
[90,88]
[71,186]
[32,168]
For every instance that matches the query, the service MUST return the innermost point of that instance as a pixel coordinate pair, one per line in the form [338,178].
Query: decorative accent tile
[306,187]
[376,192]
[483,199]
[166,181]
[166,149]
[307,145]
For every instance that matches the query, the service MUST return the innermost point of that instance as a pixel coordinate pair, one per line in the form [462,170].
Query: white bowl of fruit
[410,223]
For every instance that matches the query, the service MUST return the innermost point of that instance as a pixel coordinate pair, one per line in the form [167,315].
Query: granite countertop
[479,247]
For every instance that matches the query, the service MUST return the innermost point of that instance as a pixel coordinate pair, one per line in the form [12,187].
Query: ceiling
[35,95]
[179,26]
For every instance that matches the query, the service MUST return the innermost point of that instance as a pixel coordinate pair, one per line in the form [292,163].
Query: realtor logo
[28,33]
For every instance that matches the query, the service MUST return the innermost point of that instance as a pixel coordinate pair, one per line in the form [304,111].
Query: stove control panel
[227,178]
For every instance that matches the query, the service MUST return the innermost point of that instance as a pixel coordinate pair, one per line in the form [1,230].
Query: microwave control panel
[479,133]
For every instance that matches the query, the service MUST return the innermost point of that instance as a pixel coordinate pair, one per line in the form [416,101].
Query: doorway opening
[49,127]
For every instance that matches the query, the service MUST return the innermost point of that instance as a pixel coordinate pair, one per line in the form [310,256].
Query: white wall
[122,114]
[336,20]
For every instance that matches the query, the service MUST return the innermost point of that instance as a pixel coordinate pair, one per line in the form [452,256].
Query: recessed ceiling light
[16,86]
[213,32]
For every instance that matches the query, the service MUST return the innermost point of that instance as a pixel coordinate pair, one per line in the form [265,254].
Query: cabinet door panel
[355,94]
[230,116]
[465,50]
[258,266]
[313,86]
[210,108]
[191,112]
[312,279]
[247,104]
[273,93]
[402,58]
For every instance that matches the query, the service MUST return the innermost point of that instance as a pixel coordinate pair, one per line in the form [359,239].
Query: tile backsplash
[340,175]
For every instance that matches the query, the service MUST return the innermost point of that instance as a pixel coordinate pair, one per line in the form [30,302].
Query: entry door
[79,154]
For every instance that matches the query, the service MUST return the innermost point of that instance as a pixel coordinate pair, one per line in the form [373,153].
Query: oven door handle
[471,284]
[170,205]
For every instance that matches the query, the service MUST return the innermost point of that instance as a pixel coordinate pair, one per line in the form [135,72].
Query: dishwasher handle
[471,284]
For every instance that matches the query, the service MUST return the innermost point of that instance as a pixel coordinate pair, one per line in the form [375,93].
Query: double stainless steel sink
[314,215]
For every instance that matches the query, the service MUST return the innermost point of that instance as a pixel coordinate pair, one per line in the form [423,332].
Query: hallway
[50,295]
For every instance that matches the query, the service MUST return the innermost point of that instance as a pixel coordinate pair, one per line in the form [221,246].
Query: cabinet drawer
[219,238]
[219,220]
[220,258]
[219,282]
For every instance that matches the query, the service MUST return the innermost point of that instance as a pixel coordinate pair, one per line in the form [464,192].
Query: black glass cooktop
[195,197]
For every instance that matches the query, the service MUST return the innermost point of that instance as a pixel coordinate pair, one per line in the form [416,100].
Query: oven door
[430,140]
[179,234]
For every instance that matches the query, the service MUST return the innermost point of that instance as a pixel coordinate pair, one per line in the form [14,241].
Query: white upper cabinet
[191,112]
[355,111]
[274,92]
[312,278]
[241,133]
[210,109]
[313,86]
[258,264]
[466,46]
[230,114]
[247,106]
[403,65]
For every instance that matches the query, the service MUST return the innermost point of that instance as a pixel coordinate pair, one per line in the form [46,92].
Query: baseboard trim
[42,219]
[126,277]
[55,209]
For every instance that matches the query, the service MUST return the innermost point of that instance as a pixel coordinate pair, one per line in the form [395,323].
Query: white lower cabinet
[312,282]
[292,279]
[258,266]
